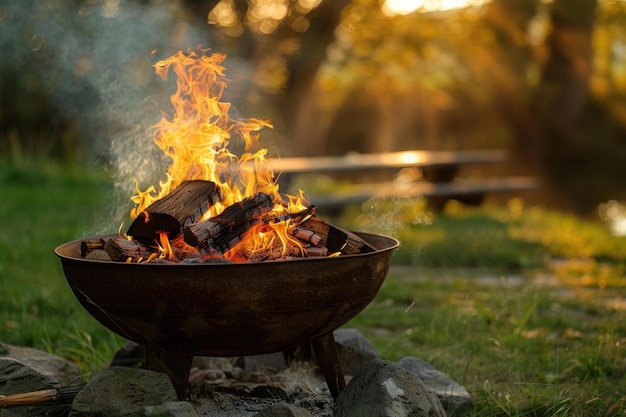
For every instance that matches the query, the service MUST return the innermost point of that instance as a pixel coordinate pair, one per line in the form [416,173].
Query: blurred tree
[286,39]
[544,77]
[540,79]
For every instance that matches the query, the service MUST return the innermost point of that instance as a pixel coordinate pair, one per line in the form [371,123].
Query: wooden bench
[439,180]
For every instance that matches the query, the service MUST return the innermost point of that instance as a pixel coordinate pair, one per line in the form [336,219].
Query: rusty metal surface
[228,309]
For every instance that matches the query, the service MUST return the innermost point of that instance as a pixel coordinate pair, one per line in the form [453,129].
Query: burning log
[123,250]
[211,238]
[220,244]
[220,233]
[307,235]
[296,217]
[181,207]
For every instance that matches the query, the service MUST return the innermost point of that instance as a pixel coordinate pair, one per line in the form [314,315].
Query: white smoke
[94,60]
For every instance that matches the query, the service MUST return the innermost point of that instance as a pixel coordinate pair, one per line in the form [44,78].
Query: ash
[236,392]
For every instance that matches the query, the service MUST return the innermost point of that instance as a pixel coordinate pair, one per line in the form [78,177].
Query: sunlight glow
[402,7]
[613,213]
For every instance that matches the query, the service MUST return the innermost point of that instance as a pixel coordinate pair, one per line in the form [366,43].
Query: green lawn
[525,307]
[43,206]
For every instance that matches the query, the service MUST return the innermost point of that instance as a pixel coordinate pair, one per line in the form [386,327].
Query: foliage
[76,78]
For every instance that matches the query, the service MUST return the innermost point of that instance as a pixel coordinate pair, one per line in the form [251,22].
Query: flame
[273,239]
[200,138]
[166,248]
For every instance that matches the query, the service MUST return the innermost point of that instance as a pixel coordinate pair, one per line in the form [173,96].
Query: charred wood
[184,205]
[124,250]
[223,242]
[307,235]
[316,251]
[217,232]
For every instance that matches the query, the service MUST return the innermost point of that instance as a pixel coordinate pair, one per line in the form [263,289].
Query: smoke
[92,62]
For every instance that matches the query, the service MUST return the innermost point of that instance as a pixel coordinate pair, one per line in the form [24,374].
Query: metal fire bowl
[228,309]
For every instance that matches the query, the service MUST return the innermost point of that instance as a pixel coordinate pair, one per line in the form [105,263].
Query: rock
[65,372]
[354,350]
[17,377]
[172,409]
[123,392]
[451,394]
[384,389]
[283,410]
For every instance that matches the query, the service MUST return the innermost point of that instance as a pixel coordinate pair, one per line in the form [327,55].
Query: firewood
[89,245]
[335,238]
[354,244]
[308,236]
[122,250]
[316,251]
[296,217]
[319,228]
[219,230]
[277,251]
[223,242]
[182,251]
[184,205]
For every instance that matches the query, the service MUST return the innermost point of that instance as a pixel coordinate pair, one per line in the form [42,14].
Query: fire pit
[217,262]
[181,310]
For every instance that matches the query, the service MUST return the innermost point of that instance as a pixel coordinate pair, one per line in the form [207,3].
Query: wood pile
[170,230]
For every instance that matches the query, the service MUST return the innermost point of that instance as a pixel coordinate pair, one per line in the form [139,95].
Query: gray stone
[123,392]
[354,350]
[65,372]
[172,409]
[17,377]
[283,410]
[451,394]
[384,389]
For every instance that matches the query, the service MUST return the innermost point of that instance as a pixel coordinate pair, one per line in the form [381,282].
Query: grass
[520,348]
[521,305]
[43,206]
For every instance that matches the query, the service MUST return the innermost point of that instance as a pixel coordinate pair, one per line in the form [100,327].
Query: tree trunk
[563,96]
[303,68]
[545,121]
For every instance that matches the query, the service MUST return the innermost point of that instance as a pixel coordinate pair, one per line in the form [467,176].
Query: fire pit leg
[175,364]
[328,360]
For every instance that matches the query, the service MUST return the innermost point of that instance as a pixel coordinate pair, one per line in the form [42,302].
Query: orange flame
[198,135]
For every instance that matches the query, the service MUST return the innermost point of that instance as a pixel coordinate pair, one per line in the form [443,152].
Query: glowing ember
[205,143]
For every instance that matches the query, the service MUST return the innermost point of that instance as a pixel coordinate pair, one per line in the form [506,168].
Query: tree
[542,77]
